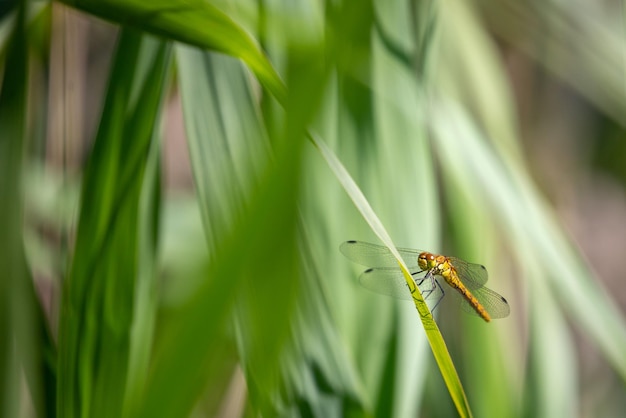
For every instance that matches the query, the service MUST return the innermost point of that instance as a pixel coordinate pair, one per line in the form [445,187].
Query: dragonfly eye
[422,261]
[426,261]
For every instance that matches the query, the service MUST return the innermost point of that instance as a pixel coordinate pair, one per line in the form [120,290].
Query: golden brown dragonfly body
[439,265]
[467,279]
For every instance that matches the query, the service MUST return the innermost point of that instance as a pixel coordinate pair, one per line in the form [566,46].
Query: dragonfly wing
[466,306]
[373,255]
[494,304]
[387,281]
[390,281]
[473,276]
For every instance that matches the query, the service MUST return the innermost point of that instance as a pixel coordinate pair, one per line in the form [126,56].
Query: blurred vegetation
[176,179]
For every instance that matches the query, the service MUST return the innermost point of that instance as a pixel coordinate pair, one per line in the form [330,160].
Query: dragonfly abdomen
[453,280]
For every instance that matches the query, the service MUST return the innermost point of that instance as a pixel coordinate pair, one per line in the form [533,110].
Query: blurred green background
[169,230]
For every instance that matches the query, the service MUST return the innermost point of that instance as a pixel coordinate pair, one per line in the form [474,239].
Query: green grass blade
[146,295]
[229,151]
[26,341]
[321,347]
[196,22]
[12,133]
[438,346]
[222,126]
[248,201]
[98,296]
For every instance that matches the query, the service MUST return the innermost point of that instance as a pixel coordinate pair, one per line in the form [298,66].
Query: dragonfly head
[426,261]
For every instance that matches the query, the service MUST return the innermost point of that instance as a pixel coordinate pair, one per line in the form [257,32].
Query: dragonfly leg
[443,293]
[433,283]
[418,281]
[423,279]
[427,292]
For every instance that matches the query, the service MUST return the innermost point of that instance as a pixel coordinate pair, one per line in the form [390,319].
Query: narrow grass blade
[438,346]
[146,295]
[98,296]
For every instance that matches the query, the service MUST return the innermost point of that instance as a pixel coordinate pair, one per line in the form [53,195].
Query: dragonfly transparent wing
[373,255]
[495,304]
[390,281]
[473,276]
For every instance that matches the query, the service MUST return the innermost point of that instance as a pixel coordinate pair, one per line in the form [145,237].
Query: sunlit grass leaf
[435,339]
[98,296]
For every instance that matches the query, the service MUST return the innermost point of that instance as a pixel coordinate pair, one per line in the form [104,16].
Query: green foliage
[307,124]
[99,294]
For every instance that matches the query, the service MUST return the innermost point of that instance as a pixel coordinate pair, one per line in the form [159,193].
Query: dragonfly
[467,279]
